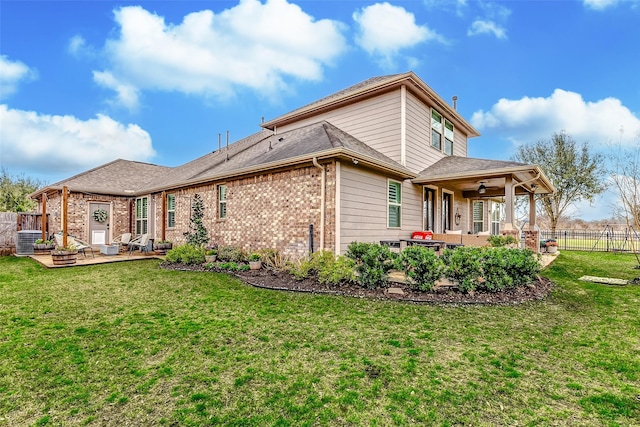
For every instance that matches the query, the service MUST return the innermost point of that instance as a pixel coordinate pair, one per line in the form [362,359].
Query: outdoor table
[435,244]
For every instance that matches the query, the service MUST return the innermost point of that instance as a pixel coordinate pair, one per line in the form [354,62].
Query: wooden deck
[47,261]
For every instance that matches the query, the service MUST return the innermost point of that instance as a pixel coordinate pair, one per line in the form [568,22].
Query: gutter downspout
[322,200]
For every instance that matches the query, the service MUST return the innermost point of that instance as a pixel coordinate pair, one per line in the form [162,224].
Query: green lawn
[131,344]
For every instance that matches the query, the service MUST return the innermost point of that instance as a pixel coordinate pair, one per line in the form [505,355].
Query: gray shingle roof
[119,177]
[265,150]
[459,166]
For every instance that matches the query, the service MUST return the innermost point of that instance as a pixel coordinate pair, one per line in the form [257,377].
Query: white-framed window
[142,215]
[436,130]
[394,204]
[171,210]
[222,201]
[478,216]
[442,133]
[448,138]
[447,211]
[429,209]
[497,215]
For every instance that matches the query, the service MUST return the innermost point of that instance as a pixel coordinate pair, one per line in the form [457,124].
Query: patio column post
[508,199]
[43,220]
[65,214]
[532,211]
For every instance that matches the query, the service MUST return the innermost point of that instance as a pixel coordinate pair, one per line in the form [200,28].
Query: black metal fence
[607,240]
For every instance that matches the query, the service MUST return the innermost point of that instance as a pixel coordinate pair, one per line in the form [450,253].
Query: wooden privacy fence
[11,223]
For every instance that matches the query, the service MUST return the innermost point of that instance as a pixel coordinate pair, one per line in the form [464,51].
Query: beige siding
[420,153]
[375,121]
[363,207]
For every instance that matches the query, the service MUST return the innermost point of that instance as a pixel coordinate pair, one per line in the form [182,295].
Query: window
[394,203]
[171,210]
[478,216]
[142,215]
[448,137]
[447,207]
[436,130]
[222,201]
[497,214]
[429,208]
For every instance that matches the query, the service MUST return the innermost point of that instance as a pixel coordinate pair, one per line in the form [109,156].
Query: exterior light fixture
[482,189]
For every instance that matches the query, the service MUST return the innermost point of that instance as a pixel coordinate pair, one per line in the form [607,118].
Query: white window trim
[171,210]
[142,219]
[435,206]
[389,203]
[473,219]
[453,207]
[221,202]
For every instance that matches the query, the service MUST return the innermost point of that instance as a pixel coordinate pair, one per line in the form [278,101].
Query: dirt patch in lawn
[282,281]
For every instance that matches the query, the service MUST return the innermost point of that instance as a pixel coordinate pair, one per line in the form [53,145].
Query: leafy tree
[197,234]
[14,192]
[576,173]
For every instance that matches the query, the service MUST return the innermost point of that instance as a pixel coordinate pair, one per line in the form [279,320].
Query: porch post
[43,220]
[508,199]
[65,214]
[532,211]
[532,236]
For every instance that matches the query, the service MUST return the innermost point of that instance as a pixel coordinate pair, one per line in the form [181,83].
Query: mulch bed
[282,281]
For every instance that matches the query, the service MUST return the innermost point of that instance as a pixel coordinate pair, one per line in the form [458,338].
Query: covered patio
[482,179]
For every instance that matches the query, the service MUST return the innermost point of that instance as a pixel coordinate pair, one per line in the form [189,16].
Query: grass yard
[131,344]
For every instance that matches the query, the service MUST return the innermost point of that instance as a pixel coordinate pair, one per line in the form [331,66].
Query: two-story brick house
[375,161]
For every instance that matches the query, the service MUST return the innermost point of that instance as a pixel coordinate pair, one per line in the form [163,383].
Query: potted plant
[551,246]
[211,255]
[64,255]
[254,261]
[43,245]
[163,245]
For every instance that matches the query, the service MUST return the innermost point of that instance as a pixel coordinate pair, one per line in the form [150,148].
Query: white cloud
[384,30]
[599,4]
[11,74]
[251,45]
[531,119]
[66,143]
[480,26]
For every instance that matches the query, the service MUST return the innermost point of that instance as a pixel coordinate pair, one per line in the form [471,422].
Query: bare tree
[576,173]
[625,176]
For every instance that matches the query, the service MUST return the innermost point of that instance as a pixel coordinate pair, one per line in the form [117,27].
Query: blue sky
[86,82]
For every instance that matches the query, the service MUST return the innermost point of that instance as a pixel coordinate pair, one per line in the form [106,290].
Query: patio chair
[79,245]
[141,242]
[123,240]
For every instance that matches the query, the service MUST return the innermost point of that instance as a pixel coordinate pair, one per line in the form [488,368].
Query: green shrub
[373,263]
[464,266]
[231,254]
[500,241]
[490,269]
[230,266]
[324,265]
[186,254]
[422,265]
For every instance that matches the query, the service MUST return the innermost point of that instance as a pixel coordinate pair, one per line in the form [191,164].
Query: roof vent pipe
[455,102]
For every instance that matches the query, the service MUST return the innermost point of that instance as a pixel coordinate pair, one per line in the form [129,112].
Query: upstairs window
[222,201]
[394,204]
[441,133]
[436,130]
[171,210]
[448,138]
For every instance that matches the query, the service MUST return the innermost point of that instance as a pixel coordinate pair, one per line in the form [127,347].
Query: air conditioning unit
[25,241]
